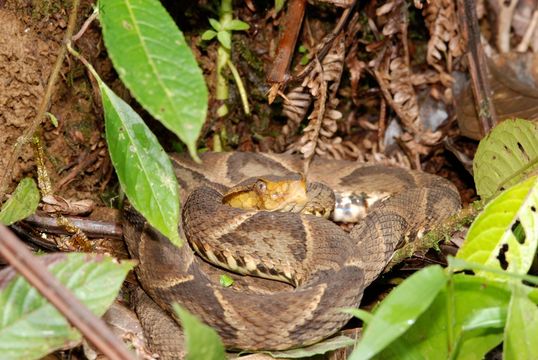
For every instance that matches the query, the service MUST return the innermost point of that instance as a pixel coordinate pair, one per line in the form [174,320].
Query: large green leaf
[505,156]
[400,310]
[155,62]
[201,341]
[521,329]
[30,327]
[144,169]
[505,234]
[22,203]
[476,323]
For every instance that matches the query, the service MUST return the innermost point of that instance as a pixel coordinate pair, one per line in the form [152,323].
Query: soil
[31,38]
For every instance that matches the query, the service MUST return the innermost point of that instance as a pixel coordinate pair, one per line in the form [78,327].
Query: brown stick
[92,228]
[286,45]
[477,66]
[43,105]
[37,274]
[78,169]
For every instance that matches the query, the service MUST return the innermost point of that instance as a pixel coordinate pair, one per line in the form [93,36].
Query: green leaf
[491,240]
[201,341]
[320,348]
[480,322]
[225,39]
[53,119]
[30,327]
[400,310]
[478,306]
[208,35]
[226,280]
[305,59]
[461,264]
[144,169]
[363,315]
[486,318]
[215,24]
[154,61]
[22,203]
[521,327]
[279,4]
[505,156]
[235,25]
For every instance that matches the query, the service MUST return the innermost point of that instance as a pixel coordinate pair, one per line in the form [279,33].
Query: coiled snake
[331,268]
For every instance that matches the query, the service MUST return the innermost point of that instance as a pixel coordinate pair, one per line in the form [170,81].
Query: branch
[37,274]
[477,66]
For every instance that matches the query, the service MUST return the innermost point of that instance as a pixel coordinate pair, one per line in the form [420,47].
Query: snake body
[329,267]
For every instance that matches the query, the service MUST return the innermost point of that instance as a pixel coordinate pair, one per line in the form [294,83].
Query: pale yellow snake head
[269,193]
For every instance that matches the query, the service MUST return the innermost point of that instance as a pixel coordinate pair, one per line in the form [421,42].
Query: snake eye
[261,186]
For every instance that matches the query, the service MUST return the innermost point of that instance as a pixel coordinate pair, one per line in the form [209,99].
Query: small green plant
[222,30]
[305,59]
[446,314]
[22,203]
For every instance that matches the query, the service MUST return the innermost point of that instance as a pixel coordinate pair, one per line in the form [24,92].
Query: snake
[326,268]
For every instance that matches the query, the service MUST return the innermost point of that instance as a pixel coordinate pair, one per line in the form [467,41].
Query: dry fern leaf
[296,104]
[316,138]
[393,16]
[445,42]
[403,93]
[323,119]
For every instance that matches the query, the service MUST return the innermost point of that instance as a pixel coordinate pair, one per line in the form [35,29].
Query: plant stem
[223,60]
[223,56]
[240,87]
[222,84]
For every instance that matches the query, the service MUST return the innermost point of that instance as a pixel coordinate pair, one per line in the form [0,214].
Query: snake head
[269,193]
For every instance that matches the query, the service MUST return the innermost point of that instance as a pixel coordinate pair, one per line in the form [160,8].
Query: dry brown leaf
[445,42]
[296,104]
[57,204]
[403,94]
[322,84]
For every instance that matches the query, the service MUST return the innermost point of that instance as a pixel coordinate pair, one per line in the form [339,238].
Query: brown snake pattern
[331,267]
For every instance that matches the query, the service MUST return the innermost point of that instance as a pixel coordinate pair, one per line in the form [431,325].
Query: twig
[292,25]
[43,180]
[327,42]
[380,73]
[92,228]
[382,127]
[291,28]
[86,24]
[524,44]
[477,66]
[76,170]
[43,105]
[432,238]
[504,23]
[37,274]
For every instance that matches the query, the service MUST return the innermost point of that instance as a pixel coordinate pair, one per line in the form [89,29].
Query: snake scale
[331,267]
